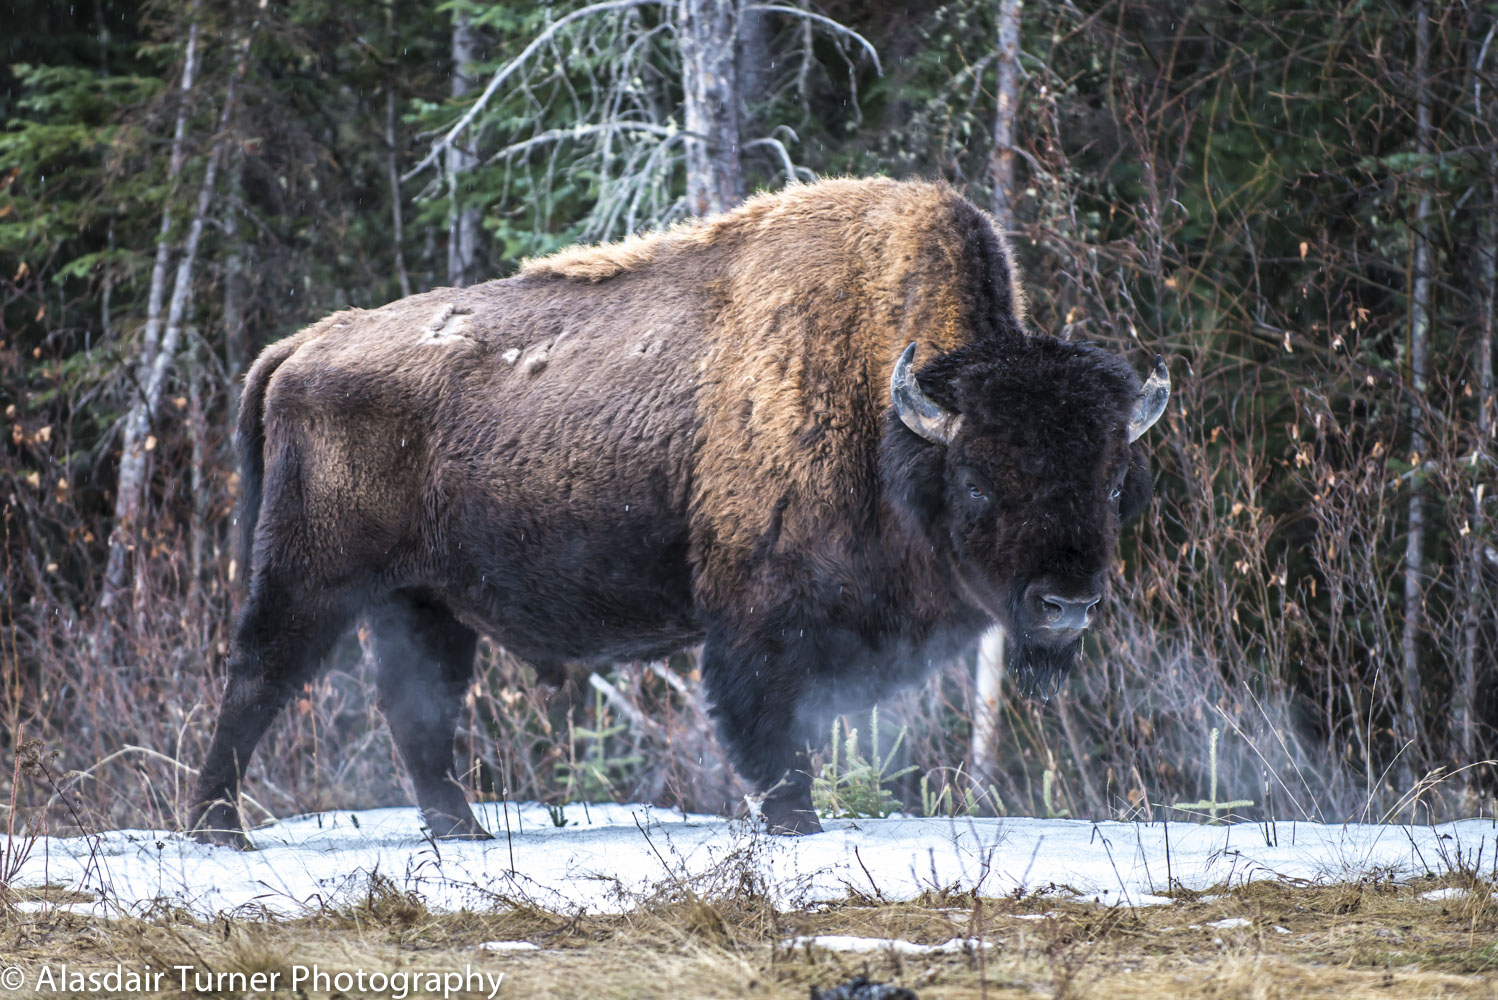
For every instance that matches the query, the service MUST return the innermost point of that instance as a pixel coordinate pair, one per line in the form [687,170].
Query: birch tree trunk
[990,664]
[462,220]
[392,166]
[707,31]
[1485,276]
[130,487]
[1420,306]
[1001,158]
[753,55]
[138,441]
[1464,714]
[987,695]
[236,333]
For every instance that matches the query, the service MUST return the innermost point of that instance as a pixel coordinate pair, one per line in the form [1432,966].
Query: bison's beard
[1038,670]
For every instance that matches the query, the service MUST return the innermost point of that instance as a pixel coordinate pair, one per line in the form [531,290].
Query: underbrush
[1367,937]
[124,741]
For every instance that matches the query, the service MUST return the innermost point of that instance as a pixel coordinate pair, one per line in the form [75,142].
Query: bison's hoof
[465,835]
[217,823]
[446,826]
[223,838]
[792,822]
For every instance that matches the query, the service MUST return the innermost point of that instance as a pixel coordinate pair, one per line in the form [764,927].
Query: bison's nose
[1059,612]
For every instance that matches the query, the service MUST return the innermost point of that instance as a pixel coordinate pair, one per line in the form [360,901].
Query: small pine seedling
[855,788]
[1210,803]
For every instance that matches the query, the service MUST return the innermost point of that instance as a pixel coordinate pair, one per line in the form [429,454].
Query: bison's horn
[920,413]
[1152,400]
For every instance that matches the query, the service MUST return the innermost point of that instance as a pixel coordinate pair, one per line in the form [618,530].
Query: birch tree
[1001,158]
[392,154]
[462,214]
[130,486]
[1474,531]
[158,357]
[988,683]
[1411,715]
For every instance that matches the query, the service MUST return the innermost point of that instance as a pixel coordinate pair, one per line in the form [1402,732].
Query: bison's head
[1018,459]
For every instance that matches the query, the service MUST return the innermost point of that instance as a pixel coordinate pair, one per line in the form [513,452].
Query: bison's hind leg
[279,642]
[424,659]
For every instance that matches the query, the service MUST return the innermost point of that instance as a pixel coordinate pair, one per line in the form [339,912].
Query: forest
[1296,203]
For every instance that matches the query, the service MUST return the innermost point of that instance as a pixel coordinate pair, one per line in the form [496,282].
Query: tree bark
[1001,158]
[987,697]
[236,332]
[1411,710]
[1485,275]
[707,30]
[129,488]
[463,219]
[392,151]
[141,418]
[990,665]
[1464,715]
[753,56]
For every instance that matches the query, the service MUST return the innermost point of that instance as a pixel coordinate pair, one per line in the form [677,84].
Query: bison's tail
[249,442]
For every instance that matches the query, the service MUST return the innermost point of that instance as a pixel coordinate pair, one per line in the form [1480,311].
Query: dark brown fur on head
[1029,496]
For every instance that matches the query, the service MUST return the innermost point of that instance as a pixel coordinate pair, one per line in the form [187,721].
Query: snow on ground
[610,857]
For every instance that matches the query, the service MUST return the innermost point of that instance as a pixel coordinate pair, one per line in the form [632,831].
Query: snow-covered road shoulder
[611,857]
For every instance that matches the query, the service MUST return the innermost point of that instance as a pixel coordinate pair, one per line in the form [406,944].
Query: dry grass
[1347,940]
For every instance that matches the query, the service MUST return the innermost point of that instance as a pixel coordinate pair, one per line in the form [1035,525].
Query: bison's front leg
[757,695]
[425,661]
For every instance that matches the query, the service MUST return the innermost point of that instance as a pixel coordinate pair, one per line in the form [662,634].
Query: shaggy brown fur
[684,437]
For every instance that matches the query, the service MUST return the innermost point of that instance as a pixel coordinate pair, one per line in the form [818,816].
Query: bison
[714,434]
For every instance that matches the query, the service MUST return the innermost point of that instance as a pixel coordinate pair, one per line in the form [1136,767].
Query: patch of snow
[47,906]
[607,858]
[1145,899]
[1230,923]
[507,946]
[1035,916]
[1451,892]
[843,942]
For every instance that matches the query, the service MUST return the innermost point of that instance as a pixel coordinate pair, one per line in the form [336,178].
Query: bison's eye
[1115,494]
[976,493]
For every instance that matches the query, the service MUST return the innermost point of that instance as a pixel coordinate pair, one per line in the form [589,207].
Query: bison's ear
[918,411]
[1151,402]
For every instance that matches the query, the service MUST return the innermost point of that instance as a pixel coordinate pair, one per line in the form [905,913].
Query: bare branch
[793,173]
[641,725]
[508,69]
[826,22]
[582,131]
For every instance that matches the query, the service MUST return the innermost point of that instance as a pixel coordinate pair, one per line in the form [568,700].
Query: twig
[824,21]
[792,172]
[147,751]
